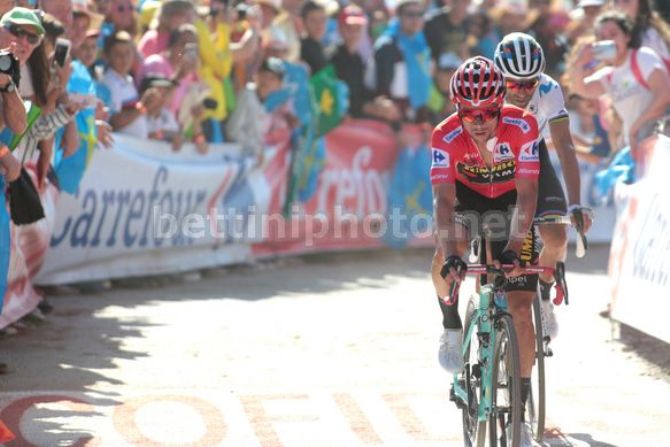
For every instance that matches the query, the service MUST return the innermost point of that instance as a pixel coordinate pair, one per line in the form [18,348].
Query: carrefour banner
[142,209]
[640,254]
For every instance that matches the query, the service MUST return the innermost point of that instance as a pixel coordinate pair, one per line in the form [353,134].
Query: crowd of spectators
[211,71]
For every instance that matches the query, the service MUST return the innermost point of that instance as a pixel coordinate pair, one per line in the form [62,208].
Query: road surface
[328,350]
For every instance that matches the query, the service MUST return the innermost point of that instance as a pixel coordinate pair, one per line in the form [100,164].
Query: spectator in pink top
[178,63]
[172,15]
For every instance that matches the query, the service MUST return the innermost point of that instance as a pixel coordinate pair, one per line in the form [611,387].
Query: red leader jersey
[515,154]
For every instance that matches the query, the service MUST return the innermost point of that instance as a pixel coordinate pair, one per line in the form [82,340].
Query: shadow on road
[653,350]
[588,440]
[70,349]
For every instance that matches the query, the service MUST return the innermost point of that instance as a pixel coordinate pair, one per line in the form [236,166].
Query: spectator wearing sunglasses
[21,32]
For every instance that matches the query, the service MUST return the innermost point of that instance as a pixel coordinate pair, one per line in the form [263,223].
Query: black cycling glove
[455,262]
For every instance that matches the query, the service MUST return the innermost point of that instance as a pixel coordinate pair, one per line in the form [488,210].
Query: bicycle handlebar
[481,269]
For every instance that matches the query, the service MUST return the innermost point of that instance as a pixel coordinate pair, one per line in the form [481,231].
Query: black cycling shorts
[474,209]
[550,196]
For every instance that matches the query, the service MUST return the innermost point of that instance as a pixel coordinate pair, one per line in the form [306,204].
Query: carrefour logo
[440,158]
[530,152]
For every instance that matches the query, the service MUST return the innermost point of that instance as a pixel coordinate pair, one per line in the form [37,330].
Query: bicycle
[495,368]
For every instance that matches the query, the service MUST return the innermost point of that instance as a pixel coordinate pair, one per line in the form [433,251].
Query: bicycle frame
[483,320]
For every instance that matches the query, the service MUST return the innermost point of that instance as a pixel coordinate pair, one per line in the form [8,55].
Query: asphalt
[327,350]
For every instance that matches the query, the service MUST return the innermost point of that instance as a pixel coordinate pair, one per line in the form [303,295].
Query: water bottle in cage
[501,300]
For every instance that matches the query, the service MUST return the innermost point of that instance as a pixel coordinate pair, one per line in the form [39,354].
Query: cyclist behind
[485,168]
[521,60]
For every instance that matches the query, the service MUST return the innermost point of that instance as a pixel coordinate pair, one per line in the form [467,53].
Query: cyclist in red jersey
[485,168]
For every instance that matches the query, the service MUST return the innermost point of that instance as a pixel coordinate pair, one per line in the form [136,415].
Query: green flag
[332,99]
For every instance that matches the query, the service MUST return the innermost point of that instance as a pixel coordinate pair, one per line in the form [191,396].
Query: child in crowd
[250,122]
[161,121]
[128,110]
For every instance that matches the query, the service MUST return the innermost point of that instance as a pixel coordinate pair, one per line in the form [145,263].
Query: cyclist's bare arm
[565,149]
[444,202]
[524,211]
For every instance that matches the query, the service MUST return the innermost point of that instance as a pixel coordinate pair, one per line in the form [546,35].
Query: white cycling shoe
[549,321]
[451,347]
[527,439]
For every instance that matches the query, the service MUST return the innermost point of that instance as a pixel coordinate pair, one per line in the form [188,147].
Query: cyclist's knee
[520,305]
[555,236]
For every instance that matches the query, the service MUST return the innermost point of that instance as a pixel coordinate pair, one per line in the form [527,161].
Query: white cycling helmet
[519,56]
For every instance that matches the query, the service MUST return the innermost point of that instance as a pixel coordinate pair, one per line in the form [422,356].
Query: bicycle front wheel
[536,404]
[505,420]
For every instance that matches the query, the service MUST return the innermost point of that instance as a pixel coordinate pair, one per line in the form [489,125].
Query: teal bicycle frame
[483,327]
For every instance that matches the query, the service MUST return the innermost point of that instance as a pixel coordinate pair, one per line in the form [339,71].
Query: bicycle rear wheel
[474,432]
[505,419]
[536,404]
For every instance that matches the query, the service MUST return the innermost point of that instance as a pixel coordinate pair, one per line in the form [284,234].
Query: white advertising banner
[640,255]
[142,209]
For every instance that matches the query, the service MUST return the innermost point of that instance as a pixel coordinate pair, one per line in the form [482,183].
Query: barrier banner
[27,246]
[142,209]
[350,205]
[640,254]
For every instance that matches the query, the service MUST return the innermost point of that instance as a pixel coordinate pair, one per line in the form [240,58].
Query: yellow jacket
[216,65]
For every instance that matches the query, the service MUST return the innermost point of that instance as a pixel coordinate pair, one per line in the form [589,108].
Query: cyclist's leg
[551,201]
[520,307]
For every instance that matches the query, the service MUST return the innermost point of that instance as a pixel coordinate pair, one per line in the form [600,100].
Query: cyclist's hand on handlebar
[581,217]
[509,257]
[453,269]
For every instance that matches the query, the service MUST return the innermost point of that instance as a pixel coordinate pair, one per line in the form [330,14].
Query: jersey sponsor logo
[448,138]
[530,152]
[499,173]
[546,88]
[524,171]
[518,122]
[440,158]
[502,152]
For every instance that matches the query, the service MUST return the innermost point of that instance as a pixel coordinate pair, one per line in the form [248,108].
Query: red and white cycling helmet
[478,83]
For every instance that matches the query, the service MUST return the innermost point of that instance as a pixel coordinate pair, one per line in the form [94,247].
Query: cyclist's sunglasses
[521,85]
[20,33]
[483,115]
